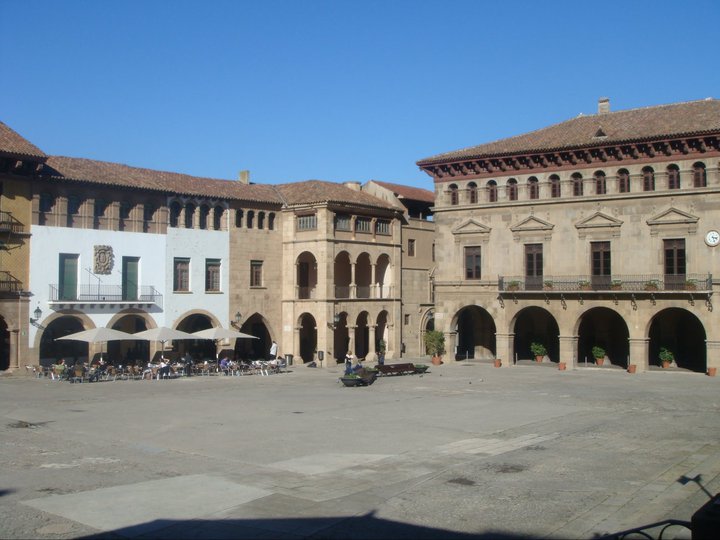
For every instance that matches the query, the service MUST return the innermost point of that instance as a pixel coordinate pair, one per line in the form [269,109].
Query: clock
[712,238]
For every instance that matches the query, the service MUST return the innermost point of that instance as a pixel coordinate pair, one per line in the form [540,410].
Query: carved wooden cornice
[601,155]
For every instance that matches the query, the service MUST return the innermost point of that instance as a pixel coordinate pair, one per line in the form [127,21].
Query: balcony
[10,225]
[649,283]
[106,294]
[9,284]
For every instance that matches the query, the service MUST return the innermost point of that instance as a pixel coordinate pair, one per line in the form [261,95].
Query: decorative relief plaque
[104,260]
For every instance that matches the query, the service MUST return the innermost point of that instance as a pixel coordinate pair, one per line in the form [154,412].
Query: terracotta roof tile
[13,144]
[116,174]
[318,191]
[678,119]
[408,192]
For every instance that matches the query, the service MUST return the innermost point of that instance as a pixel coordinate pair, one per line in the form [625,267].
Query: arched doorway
[129,352]
[308,337]
[475,334]
[306,278]
[681,332]
[605,328]
[363,275]
[535,324]
[341,338]
[51,351]
[4,345]
[200,349]
[381,330]
[254,349]
[362,335]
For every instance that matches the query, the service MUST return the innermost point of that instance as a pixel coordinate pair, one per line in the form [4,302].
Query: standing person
[273,351]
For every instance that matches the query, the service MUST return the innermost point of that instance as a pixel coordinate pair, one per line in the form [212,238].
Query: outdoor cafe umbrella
[219,333]
[98,335]
[162,334]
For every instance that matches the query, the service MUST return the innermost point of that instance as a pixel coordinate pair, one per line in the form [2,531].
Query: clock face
[712,238]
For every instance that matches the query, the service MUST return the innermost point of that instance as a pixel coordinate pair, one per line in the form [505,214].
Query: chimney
[244,177]
[603,105]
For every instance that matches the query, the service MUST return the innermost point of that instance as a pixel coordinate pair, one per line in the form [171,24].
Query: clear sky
[333,90]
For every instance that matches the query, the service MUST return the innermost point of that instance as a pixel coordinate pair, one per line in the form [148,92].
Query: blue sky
[333,90]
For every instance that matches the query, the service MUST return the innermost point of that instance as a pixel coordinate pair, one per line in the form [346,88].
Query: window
[175,209]
[433,252]
[47,201]
[411,247]
[600,183]
[271,221]
[148,216]
[204,213]
[492,191]
[512,189]
[307,222]
[256,274]
[342,222]
[533,188]
[674,263]
[577,184]
[212,275]
[533,266]
[623,181]
[472,262]
[99,213]
[73,208]
[218,215]
[406,319]
[130,278]
[699,175]
[648,176]
[453,195]
[250,219]
[600,262]
[382,226]
[68,266]
[189,215]
[239,216]
[472,192]
[555,186]
[125,208]
[673,176]
[363,225]
[181,274]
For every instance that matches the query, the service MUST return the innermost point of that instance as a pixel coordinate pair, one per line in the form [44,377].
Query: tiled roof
[13,144]
[318,191]
[675,120]
[408,192]
[116,174]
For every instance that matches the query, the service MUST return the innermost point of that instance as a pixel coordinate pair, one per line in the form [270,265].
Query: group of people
[349,367]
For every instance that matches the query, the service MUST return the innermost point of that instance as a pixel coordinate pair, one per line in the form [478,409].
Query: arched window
[261,220]
[239,215]
[577,184]
[472,192]
[533,188]
[623,177]
[271,221]
[204,213]
[250,218]
[453,194]
[218,216]
[175,209]
[148,216]
[512,189]
[124,216]
[555,191]
[673,177]
[189,215]
[699,175]
[600,183]
[648,176]
[492,191]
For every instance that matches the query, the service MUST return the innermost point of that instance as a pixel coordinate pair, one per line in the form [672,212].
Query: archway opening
[4,345]
[475,334]
[200,349]
[362,335]
[129,352]
[254,349]
[308,337]
[603,327]
[535,324]
[681,332]
[52,351]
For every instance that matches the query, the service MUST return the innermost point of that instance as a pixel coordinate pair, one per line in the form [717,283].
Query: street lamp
[38,315]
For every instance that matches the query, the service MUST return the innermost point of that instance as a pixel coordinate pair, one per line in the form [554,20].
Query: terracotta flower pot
[711,371]
[599,361]
[665,365]
[632,368]
[539,358]
[436,360]
[562,366]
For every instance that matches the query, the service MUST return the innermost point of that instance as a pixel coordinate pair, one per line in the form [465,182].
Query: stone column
[351,339]
[639,353]
[504,348]
[371,355]
[568,350]
[374,290]
[353,285]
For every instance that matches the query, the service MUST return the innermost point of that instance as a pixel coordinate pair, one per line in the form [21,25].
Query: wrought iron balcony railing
[614,283]
[98,294]
[10,224]
[9,283]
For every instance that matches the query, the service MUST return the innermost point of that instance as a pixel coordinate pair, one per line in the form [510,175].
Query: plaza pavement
[465,451]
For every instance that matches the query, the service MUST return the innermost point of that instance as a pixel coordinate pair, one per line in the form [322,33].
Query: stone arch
[603,327]
[362,335]
[307,326]
[383,276]
[59,325]
[363,275]
[194,321]
[535,324]
[132,321]
[680,331]
[306,278]
[342,273]
[475,333]
[254,349]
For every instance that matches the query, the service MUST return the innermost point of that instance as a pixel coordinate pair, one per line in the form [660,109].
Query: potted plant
[351,379]
[598,354]
[435,345]
[691,285]
[513,285]
[652,285]
[666,357]
[547,285]
[584,285]
[616,285]
[539,350]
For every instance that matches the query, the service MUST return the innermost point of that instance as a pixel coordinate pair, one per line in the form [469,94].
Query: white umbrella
[221,333]
[98,335]
[163,334]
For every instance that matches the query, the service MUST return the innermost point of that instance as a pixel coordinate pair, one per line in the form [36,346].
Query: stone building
[600,231]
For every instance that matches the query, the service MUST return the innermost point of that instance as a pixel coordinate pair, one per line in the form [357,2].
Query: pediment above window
[471,226]
[673,221]
[599,225]
[532,229]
